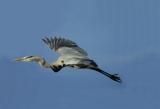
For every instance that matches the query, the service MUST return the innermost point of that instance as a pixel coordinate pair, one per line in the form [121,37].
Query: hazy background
[121,35]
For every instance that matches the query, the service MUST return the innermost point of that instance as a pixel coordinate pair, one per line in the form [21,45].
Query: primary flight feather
[71,55]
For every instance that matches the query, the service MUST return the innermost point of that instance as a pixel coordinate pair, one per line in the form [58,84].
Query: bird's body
[71,55]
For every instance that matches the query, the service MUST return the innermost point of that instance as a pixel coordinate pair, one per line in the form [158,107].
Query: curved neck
[43,63]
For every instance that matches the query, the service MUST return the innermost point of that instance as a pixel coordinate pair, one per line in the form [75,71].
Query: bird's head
[28,59]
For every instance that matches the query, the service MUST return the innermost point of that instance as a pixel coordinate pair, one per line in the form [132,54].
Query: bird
[71,55]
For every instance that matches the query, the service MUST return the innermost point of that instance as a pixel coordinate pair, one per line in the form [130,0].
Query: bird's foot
[116,78]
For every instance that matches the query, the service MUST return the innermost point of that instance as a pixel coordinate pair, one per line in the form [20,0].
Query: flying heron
[71,55]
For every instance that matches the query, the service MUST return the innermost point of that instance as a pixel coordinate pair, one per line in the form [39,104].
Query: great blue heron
[71,55]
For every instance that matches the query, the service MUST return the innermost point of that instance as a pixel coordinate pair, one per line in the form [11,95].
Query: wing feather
[64,46]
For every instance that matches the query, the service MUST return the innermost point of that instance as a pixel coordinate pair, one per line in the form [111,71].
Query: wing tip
[58,42]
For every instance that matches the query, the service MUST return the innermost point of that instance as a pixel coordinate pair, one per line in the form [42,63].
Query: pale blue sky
[122,36]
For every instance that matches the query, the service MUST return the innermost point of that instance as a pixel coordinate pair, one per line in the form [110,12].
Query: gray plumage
[64,46]
[71,55]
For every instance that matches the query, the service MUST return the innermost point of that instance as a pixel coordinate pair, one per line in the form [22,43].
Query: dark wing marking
[56,43]
[56,68]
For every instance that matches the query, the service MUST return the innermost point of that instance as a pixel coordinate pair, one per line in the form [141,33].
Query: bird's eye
[62,61]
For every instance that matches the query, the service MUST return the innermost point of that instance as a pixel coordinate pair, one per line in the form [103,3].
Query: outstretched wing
[64,46]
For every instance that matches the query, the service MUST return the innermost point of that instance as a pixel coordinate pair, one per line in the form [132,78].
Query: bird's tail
[114,77]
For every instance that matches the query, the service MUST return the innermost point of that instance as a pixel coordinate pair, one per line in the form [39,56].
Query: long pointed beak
[19,59]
